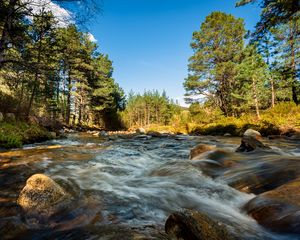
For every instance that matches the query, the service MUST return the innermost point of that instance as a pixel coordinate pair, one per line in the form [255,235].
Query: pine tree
[107,97]
[282,17]
[251,76]
[212,67]
[287,58]
[70,46]
[266,47]
[39,53]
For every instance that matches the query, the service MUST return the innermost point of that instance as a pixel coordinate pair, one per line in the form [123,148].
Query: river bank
[282,121]
[15,133]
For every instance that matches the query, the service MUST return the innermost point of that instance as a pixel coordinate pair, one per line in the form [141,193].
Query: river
[125,188]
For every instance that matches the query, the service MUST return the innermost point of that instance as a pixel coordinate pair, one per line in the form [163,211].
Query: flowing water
[125,188]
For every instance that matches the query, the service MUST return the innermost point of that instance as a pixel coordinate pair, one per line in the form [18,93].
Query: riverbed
[126,188]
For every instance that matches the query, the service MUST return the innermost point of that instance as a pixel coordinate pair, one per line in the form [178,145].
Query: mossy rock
[41,195]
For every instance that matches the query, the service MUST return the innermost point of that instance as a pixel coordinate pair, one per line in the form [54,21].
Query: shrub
[15,134]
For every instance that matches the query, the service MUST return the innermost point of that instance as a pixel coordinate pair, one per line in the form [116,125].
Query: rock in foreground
[193,225]
[279,209]
[41,195]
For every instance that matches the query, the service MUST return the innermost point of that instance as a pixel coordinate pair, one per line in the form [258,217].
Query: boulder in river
[103,134]
[215,162]
[154,134]
[227,135]
[199,149]
[41,194]
[143,137]
[279,209]
[252,133]
[193,225]
[140,130]
[262,174]
[251,141]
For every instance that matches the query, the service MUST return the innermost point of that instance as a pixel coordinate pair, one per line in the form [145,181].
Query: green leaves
[274,13]
[212,67]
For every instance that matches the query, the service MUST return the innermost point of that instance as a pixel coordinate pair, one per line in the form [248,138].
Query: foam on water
[142,182]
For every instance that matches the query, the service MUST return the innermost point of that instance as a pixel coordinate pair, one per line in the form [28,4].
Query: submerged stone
[279,209]
[199,149]
[143,137]
[154,134]
[194,225]
[262,174]
[227,135]
[140,131]
[103,134]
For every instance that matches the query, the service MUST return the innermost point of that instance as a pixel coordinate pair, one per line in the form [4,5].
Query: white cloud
[63,16]
[91,37]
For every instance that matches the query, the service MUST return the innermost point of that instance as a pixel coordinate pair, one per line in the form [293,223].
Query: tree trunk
[35,86]
[148,120]
[255,98]
[36,77]
[145,115]
[20,100]
[68,112]
[293,32]
[156,114]
[273,92]
[270,74]
[80,111]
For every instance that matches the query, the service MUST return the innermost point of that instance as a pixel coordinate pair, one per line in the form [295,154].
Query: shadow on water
[125,189]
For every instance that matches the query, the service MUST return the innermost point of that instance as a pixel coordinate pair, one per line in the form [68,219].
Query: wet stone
[41,195]
[279,209]
[193,225]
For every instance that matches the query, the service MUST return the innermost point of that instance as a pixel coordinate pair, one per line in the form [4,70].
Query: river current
[124,188]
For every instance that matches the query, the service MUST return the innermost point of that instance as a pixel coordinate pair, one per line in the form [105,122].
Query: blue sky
[148,40]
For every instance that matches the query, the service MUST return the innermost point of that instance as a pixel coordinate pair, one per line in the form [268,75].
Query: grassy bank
[15,134]
[283,119]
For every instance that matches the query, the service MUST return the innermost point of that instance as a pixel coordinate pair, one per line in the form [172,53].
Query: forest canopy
[53,69]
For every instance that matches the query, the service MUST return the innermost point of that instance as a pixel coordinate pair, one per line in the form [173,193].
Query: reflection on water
[125,189]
